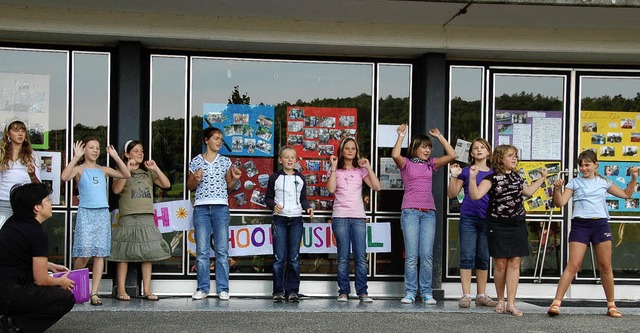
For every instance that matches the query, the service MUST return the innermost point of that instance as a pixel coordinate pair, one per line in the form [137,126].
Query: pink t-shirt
[348,202]
[417,179]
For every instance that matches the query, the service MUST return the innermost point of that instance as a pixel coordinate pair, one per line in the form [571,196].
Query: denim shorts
[587,231]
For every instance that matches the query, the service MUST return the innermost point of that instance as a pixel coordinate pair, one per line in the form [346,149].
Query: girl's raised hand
[151,165]
[31,169]
[334,162]
[558,183]
[112,151]
[236,172]
[78,149]
[435,132]
[364,163]
[455,170]
[473,171]
[633,171]
[402,129]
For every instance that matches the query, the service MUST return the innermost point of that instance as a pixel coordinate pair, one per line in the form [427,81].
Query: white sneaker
[199,295]
[223,295]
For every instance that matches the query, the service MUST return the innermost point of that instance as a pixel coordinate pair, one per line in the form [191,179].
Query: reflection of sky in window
[395,80]
[91,88]
[466,83]
[549,86]
[272,82]
[168,87]
[597,87]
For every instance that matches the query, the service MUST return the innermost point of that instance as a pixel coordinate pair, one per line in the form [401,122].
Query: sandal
[612,311]
[512,310]
[123,297]
[96,300]
[151,297]
[501,307]
[554,310]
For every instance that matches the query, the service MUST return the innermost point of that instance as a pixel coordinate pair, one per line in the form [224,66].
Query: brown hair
[354,163]
[498,154]
[128,147]
[417,142]
[486,144]
[25,155]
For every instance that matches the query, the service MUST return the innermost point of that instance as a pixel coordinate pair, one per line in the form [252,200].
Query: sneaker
[408,299]
[365,298]
[429,300]
[279,298]
[6,324]
[485,301]
[293,298]
[200,295]
[223,295]
[465,302]
[343,298]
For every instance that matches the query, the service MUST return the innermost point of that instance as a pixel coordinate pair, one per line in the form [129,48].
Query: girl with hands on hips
[348,221]
[590,225]
[92,235]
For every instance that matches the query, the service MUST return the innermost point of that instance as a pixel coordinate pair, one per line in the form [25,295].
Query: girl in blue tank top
[92,234]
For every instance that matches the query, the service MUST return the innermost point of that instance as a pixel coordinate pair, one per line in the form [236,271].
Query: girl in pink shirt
[418,219]
[348,171]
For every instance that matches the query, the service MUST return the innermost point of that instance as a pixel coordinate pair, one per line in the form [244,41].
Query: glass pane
[609,119]
[453,248]
[529,113]
[34,89]
[465,106]
[391,263]
[91,73]
[394,105]
[57,231]
[545,240]
[168,110]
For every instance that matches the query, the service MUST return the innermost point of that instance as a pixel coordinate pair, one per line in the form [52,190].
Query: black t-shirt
[505,196]
[21,241]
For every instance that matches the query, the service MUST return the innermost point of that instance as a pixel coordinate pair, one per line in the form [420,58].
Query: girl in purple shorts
[589,224]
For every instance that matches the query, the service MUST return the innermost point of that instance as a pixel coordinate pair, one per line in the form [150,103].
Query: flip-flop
[612,311]
[554,310]
[151,297]
[123,297]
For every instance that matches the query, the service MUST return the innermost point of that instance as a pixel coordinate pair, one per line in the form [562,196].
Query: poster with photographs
[50,163]
[248,129]
[315,133]
[390,178]
[613,136]
[25,97]
[542,199]
[618,173]
[250,190]
[537,134]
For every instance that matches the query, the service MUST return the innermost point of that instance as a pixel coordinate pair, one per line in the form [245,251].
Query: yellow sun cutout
[181,213]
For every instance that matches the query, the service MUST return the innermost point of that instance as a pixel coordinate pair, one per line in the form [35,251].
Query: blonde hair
[498,154]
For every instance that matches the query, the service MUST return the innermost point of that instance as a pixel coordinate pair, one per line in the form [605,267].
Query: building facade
[551,77]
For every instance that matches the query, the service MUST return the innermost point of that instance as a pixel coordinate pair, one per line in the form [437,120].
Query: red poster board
[315,133]
[250,191]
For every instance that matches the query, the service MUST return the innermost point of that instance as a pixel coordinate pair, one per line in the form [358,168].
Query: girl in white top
[589,224]
[17,164]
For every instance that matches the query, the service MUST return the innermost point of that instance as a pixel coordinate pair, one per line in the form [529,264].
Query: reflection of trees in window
[615,103]
[465,119]
[528,101]
[167,147]
[393,110]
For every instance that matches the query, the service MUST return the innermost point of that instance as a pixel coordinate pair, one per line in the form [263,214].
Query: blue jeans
[351,233]
[418,231]
[287,235]
[208,220]
[474,251]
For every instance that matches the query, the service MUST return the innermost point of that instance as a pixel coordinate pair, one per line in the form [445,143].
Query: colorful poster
[315,133]
[256,239]
[613,136]
[618,173]
[250,191]
[169,216]
[248,129]
[542,199]
[50,163]
[25,97]
[537,134]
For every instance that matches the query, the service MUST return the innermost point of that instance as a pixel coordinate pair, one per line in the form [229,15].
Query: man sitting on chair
[30,299]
